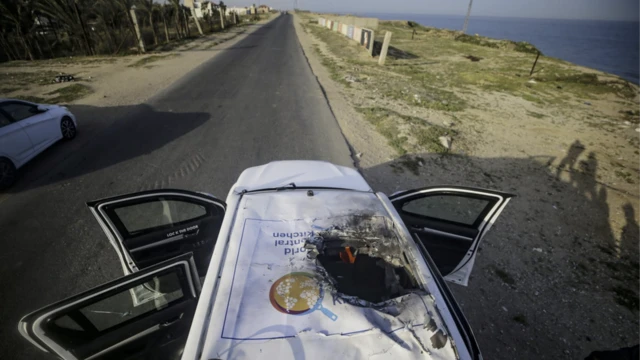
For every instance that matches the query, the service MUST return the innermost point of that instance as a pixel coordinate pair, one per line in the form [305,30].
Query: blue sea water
[609,46]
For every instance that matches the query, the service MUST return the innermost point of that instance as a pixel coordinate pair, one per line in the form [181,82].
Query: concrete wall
[370,23]
[362,35]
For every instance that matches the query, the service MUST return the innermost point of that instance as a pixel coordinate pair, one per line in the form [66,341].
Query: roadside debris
[63,78]
[445,141]
[351,78]
[473,58]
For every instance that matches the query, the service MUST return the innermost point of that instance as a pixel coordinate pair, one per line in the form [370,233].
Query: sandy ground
[548,274]
[114,82]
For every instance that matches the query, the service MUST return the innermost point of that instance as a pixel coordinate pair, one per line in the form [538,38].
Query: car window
[157,213]
[455,208]
[4,121]
[19,111]
[108,313]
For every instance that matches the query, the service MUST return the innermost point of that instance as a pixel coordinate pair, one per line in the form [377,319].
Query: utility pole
[137,28]
[466,19]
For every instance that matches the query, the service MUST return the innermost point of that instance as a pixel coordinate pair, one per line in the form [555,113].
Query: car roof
[247,314]
[303,174]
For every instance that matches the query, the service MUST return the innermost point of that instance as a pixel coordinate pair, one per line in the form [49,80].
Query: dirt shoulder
[117,80]
[557,277]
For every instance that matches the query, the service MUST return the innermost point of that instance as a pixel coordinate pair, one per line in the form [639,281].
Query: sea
[609,46]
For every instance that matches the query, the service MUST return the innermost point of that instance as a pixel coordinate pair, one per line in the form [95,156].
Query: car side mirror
[42,108]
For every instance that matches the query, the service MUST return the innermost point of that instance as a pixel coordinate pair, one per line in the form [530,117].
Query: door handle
[171,321]
[191,233]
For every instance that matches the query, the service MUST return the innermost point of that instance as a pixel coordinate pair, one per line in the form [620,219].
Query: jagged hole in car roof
[362,261]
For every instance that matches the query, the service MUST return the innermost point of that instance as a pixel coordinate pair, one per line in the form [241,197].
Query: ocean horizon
[611,46]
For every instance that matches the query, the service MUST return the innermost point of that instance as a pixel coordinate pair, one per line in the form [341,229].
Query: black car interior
[160,228]
[447,241]
[110,326]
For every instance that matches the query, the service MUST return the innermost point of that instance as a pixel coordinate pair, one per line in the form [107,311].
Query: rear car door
[106,322]
[39,125]
[151,226]
[14,141]
[449,222]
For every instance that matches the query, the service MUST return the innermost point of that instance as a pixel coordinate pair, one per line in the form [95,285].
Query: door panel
[14,141]
[108,323]
[148,227]
[43,129]
[450,222]
[37,124]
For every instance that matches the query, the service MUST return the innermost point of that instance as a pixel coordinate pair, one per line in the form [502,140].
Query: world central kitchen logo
[298,293]
[292,242]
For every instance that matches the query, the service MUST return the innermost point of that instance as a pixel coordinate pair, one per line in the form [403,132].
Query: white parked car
[26,130]
[303,261]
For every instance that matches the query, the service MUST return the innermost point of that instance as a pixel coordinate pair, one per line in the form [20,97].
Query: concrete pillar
[195,18]
[221,19]
[135,25]
[371,42]
[385,48]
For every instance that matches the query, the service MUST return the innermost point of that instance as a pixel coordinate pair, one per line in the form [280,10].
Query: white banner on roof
[274,291]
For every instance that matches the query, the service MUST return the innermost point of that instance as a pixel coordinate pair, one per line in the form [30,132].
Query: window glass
[455,208]
[19,111]
[121,307]
[66,322]
[157,213]
[4,121]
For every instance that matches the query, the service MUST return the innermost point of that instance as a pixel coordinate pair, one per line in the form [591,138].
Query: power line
[466,19]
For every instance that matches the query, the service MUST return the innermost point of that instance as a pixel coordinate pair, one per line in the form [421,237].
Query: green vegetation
[331,65]
[386,125]
[69,60]
[34,99]
[26,79]
[477,40]
[519,46]
[144,62]
[406,133]
[624,175]
[69,93]
[27,35]
[535,114]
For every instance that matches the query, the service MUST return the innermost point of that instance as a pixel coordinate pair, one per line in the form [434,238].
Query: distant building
[239,10]
[202,8]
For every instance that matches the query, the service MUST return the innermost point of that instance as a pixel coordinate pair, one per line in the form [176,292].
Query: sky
[551,9]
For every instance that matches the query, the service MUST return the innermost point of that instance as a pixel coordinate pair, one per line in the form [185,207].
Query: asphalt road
[255,102]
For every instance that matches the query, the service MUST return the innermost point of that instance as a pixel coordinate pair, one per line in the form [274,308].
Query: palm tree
[11,13]
[176,9]
[147,7]
[223,10]
[162,10]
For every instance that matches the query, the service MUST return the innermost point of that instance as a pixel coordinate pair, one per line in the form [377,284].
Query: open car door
[148,227]
[449,222]
[106,323]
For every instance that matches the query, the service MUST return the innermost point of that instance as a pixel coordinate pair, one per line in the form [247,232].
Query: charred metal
[362,260]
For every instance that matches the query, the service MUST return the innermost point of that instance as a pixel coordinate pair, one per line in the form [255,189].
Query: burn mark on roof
[362,261]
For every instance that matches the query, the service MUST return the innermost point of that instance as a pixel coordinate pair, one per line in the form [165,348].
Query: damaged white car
[303,261]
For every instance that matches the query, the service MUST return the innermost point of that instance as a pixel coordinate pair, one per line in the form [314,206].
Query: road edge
[329,91]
